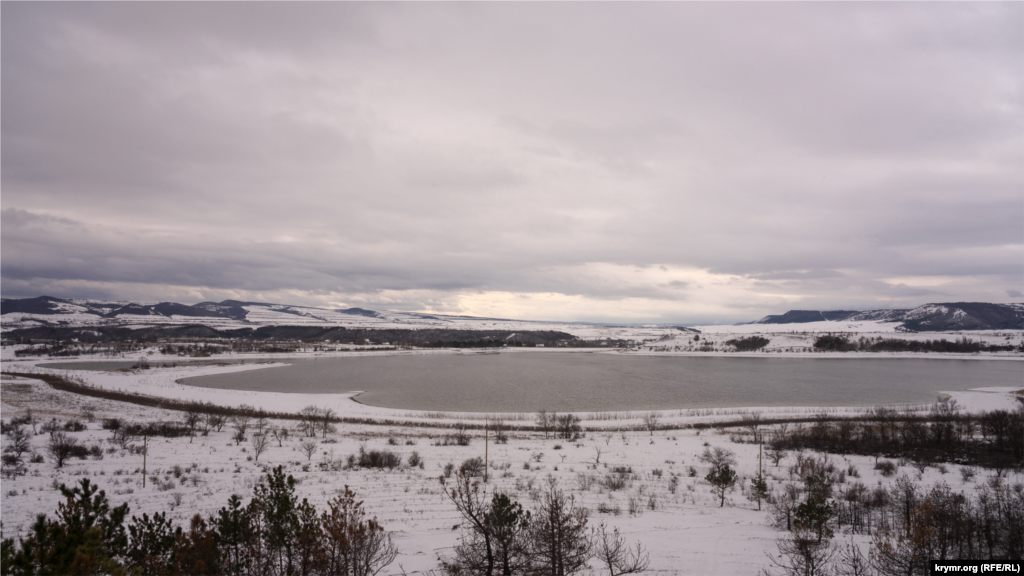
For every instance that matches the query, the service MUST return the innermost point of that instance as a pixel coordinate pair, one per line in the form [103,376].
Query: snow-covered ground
[798,339]
[683,527]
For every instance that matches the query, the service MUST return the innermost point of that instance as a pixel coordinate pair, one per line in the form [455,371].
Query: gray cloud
[797,155]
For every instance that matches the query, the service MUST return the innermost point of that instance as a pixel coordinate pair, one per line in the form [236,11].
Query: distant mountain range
[57,312]
[47,311]
[927,318]
[48,305]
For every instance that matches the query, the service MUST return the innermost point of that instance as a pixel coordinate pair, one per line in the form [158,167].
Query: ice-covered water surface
[524,382]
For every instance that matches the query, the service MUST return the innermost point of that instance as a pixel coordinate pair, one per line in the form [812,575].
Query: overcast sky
[643,163]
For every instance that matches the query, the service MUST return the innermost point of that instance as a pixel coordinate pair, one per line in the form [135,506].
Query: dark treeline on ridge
[843,343]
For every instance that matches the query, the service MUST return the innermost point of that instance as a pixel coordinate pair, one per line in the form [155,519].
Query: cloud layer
[605,162]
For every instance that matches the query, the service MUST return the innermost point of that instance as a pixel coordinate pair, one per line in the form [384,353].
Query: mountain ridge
[925,318]
[20,313]
[47,310]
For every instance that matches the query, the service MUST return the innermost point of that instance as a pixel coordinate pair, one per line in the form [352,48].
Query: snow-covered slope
[926,318]
[57,312]
[45,311]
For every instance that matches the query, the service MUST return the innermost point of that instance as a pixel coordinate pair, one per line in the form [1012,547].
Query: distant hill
[50,312]
[228,309]
[47,311]
[927,318]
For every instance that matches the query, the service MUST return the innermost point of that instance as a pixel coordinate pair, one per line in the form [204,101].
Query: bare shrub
[20,440]
[61,447]
[280,434]
[308,448]
[473,467]
[886,468]
[614,481]
[801,552]
[569,427]
[612,552]
[651,421]
[260,443]
[415,461]
[378,459]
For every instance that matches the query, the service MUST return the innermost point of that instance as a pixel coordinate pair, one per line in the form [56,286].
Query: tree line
[61,339]
[910,525]
[274,534]
[992,439]
[843,343]
[499,537]
[277,534]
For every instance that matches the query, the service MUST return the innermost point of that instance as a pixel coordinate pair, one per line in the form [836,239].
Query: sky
[603,162]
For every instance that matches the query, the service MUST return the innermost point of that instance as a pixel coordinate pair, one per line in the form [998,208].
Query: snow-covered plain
[685,530]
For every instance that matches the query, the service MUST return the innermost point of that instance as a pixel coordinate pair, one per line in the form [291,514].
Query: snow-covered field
[682,525]
[798,339]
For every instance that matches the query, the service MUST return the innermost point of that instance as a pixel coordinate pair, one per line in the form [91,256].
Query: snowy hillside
[793,331]
[929,317]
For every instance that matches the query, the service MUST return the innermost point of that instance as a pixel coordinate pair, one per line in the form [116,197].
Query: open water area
[564,381]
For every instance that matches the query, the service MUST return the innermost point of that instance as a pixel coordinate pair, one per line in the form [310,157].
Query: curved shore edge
[162,387]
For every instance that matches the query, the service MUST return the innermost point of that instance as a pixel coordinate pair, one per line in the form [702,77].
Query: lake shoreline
[167,382]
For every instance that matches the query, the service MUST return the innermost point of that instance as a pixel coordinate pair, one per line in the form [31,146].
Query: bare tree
[470,501]
[308,447]
[495,539]
[280,434]
[780,430]
[324,421]
[752,422]
[852,561]
[614,554]
[802,554]
[215,421]
[308,418]
[20,440]
[718,458]
[568,426]
[261,422]
[260,443]
[500,431]
[651,421]
[61,447]
[240,423]
[782,506]
[461,435]
[122,437]
[545,421]
[192,419]
[775,455]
